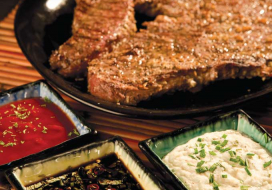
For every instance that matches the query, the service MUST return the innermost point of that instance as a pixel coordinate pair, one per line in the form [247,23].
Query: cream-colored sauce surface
[183,162]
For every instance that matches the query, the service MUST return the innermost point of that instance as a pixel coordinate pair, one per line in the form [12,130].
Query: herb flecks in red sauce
[108,173]
[29,126]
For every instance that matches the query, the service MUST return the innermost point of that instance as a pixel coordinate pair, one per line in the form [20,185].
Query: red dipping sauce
[29,126]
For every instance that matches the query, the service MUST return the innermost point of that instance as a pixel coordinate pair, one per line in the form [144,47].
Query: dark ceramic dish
[86,151]
[41,26]
[43,90]
[157,147]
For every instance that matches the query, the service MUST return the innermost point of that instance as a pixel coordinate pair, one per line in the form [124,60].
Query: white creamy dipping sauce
[225,160]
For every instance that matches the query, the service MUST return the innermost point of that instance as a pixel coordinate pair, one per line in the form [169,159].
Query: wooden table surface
[15,70]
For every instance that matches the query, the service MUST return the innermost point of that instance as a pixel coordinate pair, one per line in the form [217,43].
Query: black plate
[40,29]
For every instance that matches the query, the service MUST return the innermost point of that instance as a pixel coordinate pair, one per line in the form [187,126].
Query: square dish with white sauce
[109,164]
[229,151]
[33,118]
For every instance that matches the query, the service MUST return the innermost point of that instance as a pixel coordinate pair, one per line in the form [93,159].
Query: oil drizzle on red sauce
[29,126]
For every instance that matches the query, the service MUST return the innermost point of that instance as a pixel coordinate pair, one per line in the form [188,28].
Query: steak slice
[221,40]
[97,25]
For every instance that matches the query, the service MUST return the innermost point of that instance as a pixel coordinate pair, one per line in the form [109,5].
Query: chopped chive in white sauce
[236,152]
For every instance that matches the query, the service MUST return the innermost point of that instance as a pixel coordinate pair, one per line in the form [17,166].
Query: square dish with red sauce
[33,118]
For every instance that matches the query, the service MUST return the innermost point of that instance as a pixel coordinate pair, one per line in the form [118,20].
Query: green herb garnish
[192,156]
[224,136]
[201,169]
[199,139]
[221,166]
[15,124]
[247,171]
[242,162]
[215,186]
[224,143]
[215,142]
[218,147]
[234,160]
[250,154]
[224,150]
[22,115]
[76,132]
[224,176]
[202,145]
[244,187]
[266,164]
[44,129]
[236,143]
[266,138]
[211,178]
[47,100]
[196,151]
[199,164]
[212,153]
[232,153]
[213,167]
[247,164]
[9,144]
[2,143]
[202,153]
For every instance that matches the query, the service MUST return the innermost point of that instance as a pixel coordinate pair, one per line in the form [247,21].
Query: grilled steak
[97,25]
[211,40]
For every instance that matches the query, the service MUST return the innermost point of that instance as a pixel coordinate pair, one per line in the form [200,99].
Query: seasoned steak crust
[211,40]
[97,25]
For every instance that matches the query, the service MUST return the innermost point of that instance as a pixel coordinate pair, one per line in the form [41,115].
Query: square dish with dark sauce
[107,173]
[105,165]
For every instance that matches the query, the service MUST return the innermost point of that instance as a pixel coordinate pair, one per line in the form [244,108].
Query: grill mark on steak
[213,41]
[95,30]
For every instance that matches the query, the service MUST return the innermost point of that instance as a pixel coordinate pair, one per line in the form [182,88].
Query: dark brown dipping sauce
[107,173]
